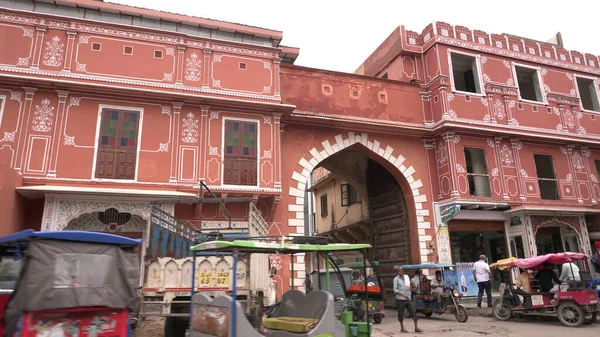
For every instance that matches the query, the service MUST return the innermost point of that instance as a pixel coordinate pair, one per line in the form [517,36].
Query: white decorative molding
[268,154]
[214,115]
[189,132]
[193,66]
[213,151]
[16,96]
[223,224]
[43,117]
[8,137]
[74,101]
[165,109]
[163,147]
[267,120]
[69,140]
[54,52]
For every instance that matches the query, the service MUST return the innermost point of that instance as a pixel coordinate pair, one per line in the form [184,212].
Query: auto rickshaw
[69,283]
[574,302]
[426,302]
[375,308]
[297,314]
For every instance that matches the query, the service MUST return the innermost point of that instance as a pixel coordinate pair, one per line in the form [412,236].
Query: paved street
[446,326]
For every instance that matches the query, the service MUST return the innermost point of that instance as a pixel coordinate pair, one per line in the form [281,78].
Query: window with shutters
[117,144]
[241,153]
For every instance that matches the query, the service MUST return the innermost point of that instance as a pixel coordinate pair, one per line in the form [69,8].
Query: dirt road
[446,326]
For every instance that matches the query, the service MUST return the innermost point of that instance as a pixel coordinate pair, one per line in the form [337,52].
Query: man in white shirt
[437,288]
[482,275]
[569,272]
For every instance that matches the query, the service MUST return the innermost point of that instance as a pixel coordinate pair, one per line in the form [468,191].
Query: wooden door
[241,153]
[117,146]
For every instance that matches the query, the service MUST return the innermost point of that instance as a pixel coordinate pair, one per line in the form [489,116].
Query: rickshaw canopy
[535,263]
[356,264]
[260,247]
[425,266]
[76,236]
[72,269]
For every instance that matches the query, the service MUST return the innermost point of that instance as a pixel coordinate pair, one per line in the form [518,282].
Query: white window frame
[479,81]
[101,107]
[258,149]
[593,79]
[2,104]
[538,70]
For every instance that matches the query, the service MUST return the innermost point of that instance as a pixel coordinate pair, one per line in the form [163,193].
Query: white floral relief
[267,119]
[484,101]
[266,65]
[217,83]
[518,145]
[581,130]
[569,76]
[569,177]
[490,142]
[586,152]
[163,147]
[43,117]
[569,120]
[266,89]
[487,118]
[165,110]
[268,154]
[483,59]
[513,122]
[54,52]
[171,51]
[510,82]
[69,140]
[74,101]
[450,115]
[27,32]
[15,96]
[495,172]
[84,39]
[486,78]
[499,109]
[450,97]
[192,68]
[23,62]
[460,169]
[214,115]
[442,154]
[80,67]
[594,178]
[213,151]
[524,173]
[168,77]
[189,134]
[8,137]
[456,139]
[506,155]
[578,161]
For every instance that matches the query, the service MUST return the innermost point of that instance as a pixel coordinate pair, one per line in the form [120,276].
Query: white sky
[339,35]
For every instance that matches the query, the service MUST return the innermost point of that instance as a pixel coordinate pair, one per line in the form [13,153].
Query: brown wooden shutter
[117,145]
[241,153]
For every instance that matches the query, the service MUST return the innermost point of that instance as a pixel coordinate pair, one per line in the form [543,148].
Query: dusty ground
[478,326]
[446,326]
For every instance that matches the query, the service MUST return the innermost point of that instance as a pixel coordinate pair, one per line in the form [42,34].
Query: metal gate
[388,213]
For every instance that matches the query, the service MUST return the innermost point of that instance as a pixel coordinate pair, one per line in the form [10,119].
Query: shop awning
[33,192]
[553,208]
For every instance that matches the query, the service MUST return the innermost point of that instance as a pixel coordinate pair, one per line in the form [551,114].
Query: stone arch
[389,158]
[172,276]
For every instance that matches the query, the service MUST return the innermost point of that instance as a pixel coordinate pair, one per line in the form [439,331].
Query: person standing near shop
[482,275]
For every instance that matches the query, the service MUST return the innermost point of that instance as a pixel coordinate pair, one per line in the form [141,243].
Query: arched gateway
[410,234]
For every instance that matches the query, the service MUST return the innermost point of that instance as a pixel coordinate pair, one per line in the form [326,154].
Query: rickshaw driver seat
[304,315]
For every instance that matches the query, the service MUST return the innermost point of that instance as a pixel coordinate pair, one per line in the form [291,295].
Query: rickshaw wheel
[377,319]
[461,314]
[590,319]
[501,311]
[570,314]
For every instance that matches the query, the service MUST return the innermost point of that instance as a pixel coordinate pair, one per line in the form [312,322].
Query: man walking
[482,275]
[403,300]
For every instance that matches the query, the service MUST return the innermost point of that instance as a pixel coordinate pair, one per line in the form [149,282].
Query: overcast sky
[339,35]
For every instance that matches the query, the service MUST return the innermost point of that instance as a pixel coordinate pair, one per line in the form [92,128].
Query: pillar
[58,131]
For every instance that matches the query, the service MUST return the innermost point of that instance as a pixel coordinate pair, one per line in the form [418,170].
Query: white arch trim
[342,141]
